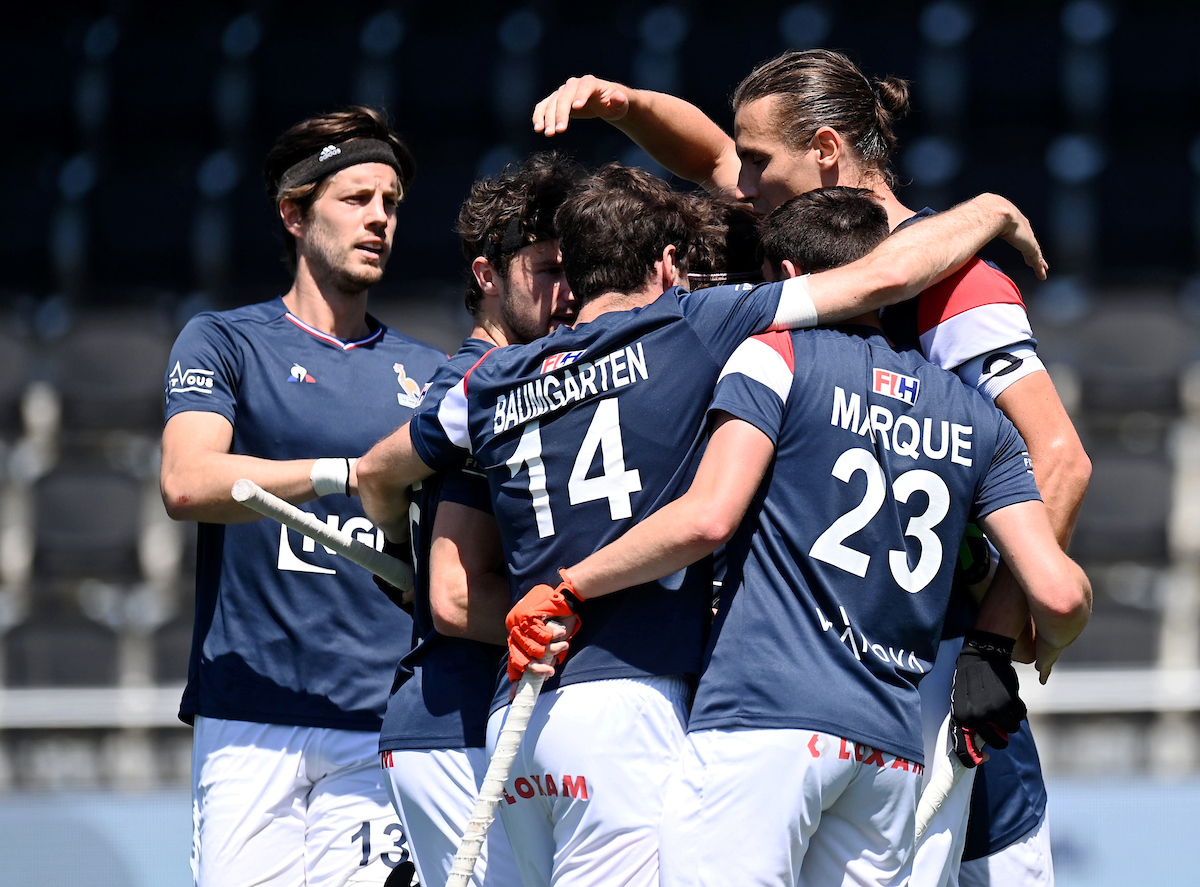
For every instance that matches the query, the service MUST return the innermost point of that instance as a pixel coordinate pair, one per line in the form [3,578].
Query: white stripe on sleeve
[757,360]
[452,416]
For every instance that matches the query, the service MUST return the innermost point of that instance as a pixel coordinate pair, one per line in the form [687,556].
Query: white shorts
[287,806]
[434,792]
[788,807]
[1023,863]
[583,803]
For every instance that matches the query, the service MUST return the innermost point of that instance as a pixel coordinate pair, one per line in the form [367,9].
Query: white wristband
[796,310]
[330,476]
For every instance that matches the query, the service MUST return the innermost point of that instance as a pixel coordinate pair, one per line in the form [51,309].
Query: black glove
[984,699]
[401,551]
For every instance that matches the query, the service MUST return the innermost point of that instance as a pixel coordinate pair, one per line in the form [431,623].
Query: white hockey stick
[269,505]
[941,783]
[490,794]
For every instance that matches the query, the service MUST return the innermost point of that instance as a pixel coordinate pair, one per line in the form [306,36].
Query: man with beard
[434,733]
[293,649]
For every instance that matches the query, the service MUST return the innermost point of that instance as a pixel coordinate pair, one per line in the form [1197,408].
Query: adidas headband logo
[329,151]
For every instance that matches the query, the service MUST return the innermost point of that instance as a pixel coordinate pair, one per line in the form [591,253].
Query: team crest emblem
[896,385]
[411,393]
[300,374]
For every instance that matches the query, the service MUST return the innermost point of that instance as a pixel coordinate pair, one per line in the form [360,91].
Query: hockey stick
[941,783]
[499,767]
[399,574]
[269,505]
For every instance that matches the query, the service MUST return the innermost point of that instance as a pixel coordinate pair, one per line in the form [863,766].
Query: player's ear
[292,217]
[670,274]
[788,269]
[829,147]
[486,276]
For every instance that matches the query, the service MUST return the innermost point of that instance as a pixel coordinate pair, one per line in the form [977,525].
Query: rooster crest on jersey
[896,385]
[411,393]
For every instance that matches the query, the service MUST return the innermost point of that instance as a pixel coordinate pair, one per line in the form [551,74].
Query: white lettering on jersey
[901,434]
[903,660]
[193,379]
[547,394]
[357,526]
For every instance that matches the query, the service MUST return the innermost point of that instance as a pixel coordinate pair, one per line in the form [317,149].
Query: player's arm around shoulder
[920,255]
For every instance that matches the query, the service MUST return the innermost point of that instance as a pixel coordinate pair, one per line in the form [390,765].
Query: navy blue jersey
[285,631]
[584,433]
[839,576]
[444,686]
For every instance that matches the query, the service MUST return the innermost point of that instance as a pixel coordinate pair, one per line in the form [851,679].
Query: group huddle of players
[664,393]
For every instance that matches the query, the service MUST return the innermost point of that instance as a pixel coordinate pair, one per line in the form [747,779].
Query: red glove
[528,634]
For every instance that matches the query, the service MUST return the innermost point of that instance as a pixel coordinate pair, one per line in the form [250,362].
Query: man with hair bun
[435,730]
[293,648]
[811,119]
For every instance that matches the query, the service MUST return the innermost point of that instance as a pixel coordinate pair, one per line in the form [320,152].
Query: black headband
[335,158]
[716,278]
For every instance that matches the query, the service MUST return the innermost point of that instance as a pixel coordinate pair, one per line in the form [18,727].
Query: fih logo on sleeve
[895,385]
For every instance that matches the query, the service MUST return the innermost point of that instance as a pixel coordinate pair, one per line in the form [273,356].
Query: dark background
[132,166]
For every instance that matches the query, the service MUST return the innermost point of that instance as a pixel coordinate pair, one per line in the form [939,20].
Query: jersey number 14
[615,483]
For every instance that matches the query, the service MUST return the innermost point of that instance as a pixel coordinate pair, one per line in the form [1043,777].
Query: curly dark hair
[615,226]
[309,136]
[503,215]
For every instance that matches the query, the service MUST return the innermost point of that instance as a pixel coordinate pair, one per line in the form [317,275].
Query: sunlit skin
[532,297]
[772,172]
[537,299]
[344,241]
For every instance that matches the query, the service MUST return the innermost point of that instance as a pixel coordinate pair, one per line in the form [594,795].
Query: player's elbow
[449,616]
[178,494]
[711,528]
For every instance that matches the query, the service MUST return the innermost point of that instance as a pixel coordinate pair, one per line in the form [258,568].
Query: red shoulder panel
[976,283]
[781,342]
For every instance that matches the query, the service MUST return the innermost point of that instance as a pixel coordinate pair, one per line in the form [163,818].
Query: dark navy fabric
[444,686]
[1009,797]
[584,433]
[286,632]
[839,576]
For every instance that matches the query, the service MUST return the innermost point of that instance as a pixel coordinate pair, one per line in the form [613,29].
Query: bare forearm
[385,473]
[476,613]
[670,539]
[201,490]
[918,256]
[682,138]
